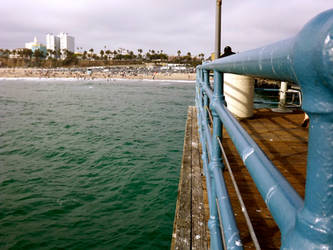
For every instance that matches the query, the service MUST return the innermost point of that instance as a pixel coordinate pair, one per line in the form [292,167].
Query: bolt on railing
[306,59]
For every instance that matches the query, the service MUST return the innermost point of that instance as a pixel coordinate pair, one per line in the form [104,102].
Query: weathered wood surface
[189,230]
[284,141]
[181,236]
[199,233]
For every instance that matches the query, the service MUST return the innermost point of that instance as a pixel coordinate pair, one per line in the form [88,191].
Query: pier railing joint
[216,163]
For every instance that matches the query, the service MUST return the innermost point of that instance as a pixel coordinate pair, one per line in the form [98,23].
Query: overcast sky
[168,25]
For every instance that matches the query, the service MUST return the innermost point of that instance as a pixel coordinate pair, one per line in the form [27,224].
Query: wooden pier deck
[283,140]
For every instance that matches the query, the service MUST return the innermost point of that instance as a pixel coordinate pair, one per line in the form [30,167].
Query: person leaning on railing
[227,51]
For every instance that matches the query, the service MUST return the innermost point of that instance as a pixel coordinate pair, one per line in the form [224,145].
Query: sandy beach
[84,74]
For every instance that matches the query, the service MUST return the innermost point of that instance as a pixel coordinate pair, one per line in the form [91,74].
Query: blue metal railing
[306,59]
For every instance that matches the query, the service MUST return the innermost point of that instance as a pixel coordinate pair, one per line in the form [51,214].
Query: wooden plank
[284,141]
[199,236]
[181,236]
[204,191]
[281,138]
[205,199]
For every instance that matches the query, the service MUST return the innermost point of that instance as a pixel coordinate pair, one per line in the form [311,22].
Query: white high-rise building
[66,42]
[52,42]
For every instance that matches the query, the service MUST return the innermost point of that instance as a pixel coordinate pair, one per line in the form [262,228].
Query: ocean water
[90,164]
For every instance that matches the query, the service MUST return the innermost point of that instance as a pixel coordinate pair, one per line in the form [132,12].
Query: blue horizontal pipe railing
[273,187]
[307,60]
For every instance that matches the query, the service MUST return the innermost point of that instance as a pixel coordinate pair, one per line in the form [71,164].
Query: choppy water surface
[90,165]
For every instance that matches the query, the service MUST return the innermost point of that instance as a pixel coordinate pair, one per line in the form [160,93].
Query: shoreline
[72,74]
[72,79]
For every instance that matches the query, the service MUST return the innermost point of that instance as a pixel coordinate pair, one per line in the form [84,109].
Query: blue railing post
[313,64]
[216,166]
[204,151]
[213,222]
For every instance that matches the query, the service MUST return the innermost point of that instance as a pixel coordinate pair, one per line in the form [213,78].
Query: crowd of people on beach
[128,72]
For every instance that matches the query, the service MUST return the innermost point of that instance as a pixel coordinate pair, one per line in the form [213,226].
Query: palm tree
[84,56]
[38,53]
[28,53]
[91,52]
[201,56]
[20,53]
[115,53]
[66,52]
[49,53]
[188,56]
[179,53]
[131,54]
[58,53]
[108,52]
[140,53]
[101,53]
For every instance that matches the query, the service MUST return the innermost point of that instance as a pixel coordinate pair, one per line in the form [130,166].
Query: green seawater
[90,164]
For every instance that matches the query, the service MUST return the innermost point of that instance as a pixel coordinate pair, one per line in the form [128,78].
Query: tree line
[65,58]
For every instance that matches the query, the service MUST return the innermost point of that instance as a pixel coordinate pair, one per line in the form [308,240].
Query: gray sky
[168,25]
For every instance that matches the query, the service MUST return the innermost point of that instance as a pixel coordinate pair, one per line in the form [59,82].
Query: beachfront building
[36,45]
[52,42]
[29,45]
[67,42]
[61,42]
